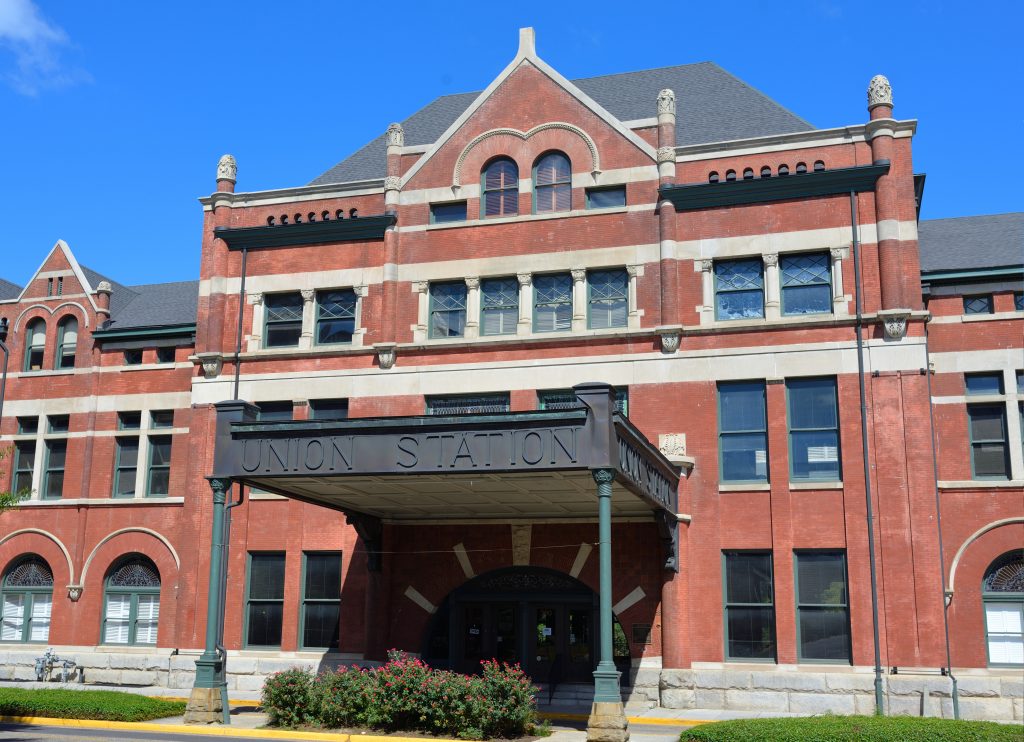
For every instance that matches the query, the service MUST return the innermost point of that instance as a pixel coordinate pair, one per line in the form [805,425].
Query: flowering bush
[407,695]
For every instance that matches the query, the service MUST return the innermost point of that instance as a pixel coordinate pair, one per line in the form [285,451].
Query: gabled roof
[9,290]
[972,242]
[712,106]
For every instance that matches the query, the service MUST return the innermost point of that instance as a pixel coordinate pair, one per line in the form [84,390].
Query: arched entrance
[545,620]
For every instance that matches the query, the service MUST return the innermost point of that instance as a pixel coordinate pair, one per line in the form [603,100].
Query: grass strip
[104,705]
[854,729]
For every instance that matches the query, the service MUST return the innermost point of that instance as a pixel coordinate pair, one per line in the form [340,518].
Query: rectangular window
[328,409]
[743,431]
[448,309]
[24,465]
[499,306]
[552,303]
[159,475]
[989,453]
[983,383]
[264,600]
[283,324]
[321,600]
[28,425]
[749,606]
[165,355]
[275,412]
[1018,301]
[58,423]
[978,304]
[335,316]
[822,606]
[606,198]
[133,357]
[162,418]
[1004,632]
[468,405]
[739,289]
[53,475]
[126,466]
[565,399]
[813,430]
[608,299]
[1020,382]
[129,420]
[806,280]
[447,213]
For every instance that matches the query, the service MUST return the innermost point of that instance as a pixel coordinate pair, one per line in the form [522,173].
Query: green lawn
[855,729]
[106,705]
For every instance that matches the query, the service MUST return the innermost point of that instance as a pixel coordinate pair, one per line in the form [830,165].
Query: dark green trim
[144,332]
[303,600]
[725,607]
[118,443]
[48,472]
[841,553]
[306,233]
[150,442]
[133,609]
[29,593]
[1004,441]
[245,602]
[780,188]
[767,457]
[838,429]
[944,275]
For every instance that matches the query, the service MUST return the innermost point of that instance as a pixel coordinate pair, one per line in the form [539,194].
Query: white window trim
[254,341]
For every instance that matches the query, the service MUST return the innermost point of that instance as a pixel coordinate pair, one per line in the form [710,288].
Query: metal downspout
[879,698]
[938,527]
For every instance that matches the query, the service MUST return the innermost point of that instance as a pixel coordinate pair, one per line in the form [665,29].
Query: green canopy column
[607,721]
[208,703]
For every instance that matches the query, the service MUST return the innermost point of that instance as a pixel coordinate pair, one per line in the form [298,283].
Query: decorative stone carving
[707,266]
[879,92]
[837,253]
[74,593]
[386,354]
[669,342]
[308,294]
[256,298]
[420,287]
[771,259]
[894,323]
[666,154]
[672,444]
[667,102]
[472,283]
[104,287]
[212,364]
[227,168]
[579,275]
[525,279]
[396,135]
[392,183]
[634,270]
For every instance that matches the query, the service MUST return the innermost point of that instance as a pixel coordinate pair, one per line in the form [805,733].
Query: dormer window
[500,189]
[552,183]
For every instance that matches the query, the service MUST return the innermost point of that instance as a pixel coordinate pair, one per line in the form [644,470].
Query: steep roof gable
[9,290]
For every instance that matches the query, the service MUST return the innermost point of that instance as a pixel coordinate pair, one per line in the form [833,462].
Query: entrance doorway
[544,620]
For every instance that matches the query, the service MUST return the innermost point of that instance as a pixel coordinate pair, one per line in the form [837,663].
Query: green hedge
[106,705]
[855,729]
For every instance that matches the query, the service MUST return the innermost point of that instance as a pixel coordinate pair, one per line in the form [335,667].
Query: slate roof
[972,242]
[712,105]
[9,290]
[156,305]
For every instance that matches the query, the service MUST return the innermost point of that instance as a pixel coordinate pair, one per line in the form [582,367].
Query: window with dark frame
[24,466]
[823,610]
[321,600]
[813,430]
[500,191]
[739,289]
[978,304]
[335,316]
[990,454]
[448,213]
[277,411]
[552,302]
[979,384]
[35,345]
[566,399]
[742,431]
[328,409]
[53,474]
[1018,301]
[1002,591]
[607,197]
[162,418]
[749,606]
[26,605]
[552,183]
[28,425]
[448,303]
[806,282]
[133,357]
[126,466]
[607,299]
[67,342]
[282,320]
[158,477]
[468,404]
[264,600]
[131,613]
[499,306]
[165,354]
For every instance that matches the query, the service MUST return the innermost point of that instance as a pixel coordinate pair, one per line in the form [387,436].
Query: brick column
[669,314]
[392,187]
[880,134]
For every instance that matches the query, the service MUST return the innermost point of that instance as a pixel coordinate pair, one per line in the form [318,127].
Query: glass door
[581,644]
[506,632]
[544,642]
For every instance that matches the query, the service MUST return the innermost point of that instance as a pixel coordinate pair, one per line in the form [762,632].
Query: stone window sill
[752,487]
[815,485]
[529,218]
[981,484]
[102,502]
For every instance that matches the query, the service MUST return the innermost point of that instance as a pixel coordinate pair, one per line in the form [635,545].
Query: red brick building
[758,293]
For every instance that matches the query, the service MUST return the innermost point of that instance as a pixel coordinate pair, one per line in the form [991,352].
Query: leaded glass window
[806,280]
[67,342]
[1018,301]
[335,316]
[990,457]
[27,601]
[468,405]
[608,300]
[552,303]
[978,304]
[500,189]
[813,429]
[499,306]
[743,431]
[823,609]
[553,183]
[566,399]
[749,606]
[283,320]
[1003,597]
[264,600]
[448,309]
[132,602]
[321,600]
[739,289]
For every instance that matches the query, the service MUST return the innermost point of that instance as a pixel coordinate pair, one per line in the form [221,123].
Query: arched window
[552,183]
[783,169]
[730,176]
[801,168]
[713,177]
[766,172]
[819,166]
[132,602]
[67,341]
[748,173]
[500,189]
[27,601]
[1002,593]
[35,345]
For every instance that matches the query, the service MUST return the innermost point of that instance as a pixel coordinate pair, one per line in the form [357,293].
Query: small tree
[9,499]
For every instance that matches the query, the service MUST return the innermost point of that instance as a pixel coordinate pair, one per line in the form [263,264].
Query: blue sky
[113,114]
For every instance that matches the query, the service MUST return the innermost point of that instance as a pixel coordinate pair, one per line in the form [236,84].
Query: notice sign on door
[547,631]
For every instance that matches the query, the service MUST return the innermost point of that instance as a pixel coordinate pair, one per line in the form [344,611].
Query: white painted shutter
[118,610]
[41,608]
[13,618]
[148,618]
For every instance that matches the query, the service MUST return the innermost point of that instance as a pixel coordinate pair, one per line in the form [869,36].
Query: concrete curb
[640,720]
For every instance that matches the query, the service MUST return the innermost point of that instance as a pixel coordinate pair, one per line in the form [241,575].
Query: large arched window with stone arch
[67,342]
[500,188]
[35,345]
[1002,594]
[131,603]
[27,600]
[552,183]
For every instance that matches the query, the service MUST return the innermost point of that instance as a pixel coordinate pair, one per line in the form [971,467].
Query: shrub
[855,729]
[288,698]
[106,705]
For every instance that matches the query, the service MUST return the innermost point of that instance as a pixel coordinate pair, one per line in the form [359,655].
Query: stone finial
[227,168]
[879,92]
[527,42]
[396,135]
[104,287]
[667,102]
